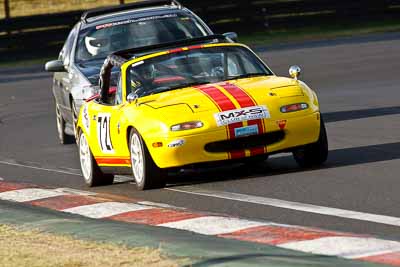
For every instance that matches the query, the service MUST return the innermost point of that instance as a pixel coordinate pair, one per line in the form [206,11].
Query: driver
[142,78]
[97,45]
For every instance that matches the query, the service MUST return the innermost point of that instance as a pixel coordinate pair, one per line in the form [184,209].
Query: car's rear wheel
[313,154]
[62,136]
[91,172]
[146,173]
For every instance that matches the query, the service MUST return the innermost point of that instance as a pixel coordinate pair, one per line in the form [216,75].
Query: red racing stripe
[391,258]
[6,186]
[195,47]
[275,235]
[224,104]
[245,100]
[66,202]
[176,50]
[112,161]
[154,216]
[181,49]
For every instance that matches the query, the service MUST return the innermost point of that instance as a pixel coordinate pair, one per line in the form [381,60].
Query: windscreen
[101,40]
[193,67]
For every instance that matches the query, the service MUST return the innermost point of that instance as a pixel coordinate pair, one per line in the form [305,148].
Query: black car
[103,31]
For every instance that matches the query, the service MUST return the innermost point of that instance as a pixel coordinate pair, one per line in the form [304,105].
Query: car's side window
[66,51]
[239,64]
[235,66]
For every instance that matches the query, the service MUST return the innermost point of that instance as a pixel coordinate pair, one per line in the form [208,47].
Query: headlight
[186,126]
[294,107]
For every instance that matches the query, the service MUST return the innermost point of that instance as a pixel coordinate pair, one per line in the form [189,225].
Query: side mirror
[55,66]
[231,35]
[132,97]
[295,72]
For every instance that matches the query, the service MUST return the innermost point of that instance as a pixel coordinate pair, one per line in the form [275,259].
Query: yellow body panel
[107,127]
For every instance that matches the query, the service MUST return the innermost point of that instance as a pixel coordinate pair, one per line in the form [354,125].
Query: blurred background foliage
[37,7]
[38,28]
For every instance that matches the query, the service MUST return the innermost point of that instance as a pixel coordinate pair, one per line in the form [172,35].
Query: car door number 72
[103,132]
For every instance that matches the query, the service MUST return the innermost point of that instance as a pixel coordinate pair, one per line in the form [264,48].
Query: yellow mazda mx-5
[195,101]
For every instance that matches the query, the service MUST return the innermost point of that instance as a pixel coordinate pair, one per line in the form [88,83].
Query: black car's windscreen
[192,67]
[100,41]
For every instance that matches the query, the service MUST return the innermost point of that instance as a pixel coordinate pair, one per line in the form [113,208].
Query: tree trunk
[7,9]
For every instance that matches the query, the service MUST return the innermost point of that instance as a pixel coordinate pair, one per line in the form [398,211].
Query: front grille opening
[247,142]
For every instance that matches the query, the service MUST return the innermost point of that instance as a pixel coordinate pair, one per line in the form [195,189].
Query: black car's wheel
[62,136]
[91,172]
[313,154]
[146,173]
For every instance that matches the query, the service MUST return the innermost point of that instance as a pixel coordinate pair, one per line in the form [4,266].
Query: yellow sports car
[195,101]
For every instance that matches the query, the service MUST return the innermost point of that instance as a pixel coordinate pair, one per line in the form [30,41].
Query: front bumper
[186,150]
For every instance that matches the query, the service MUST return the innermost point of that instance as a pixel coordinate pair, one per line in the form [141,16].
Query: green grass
[36,249]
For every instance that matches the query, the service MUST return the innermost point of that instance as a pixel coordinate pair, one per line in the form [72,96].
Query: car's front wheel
[91,172]
[313,154]
[146,173]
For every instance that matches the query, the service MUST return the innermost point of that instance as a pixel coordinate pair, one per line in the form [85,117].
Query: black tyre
[146,173]
[91,172]
[62,136]
[313,154]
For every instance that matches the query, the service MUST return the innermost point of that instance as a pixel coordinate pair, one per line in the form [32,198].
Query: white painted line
[348,214]
[212,225]
[159,205]
[29,194]
[38,168]
[123,179]
[106,209]
[71,191]
[346,247]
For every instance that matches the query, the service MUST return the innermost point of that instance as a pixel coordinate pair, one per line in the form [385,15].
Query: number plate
[246,131]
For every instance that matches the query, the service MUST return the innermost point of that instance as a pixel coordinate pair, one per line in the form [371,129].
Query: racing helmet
[97,45]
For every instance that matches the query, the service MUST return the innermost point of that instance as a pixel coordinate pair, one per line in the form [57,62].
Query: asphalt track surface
[357,82]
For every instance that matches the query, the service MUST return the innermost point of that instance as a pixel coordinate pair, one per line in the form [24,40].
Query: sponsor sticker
[85,119]
[176,143]
[243,114]
[129,21]
[137,64]
[246,131]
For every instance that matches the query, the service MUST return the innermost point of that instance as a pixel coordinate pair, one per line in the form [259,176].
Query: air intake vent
[245,142]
